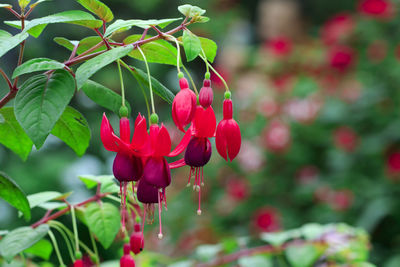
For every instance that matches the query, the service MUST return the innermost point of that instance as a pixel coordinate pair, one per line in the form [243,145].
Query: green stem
[122,83]
[94,246]
[149,77]
[75,228]
[68,241]
[191,79]
[53,239]
[205,60]
[178,54]
[140,85]
[86,248]
[216,73]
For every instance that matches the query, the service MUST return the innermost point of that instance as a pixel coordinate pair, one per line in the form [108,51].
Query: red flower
[393,163]
[341,57]
[184,105]
[78,263]
[228,138]
[376,8]
[136,241]
[342,200]
[206,94]
[267,219]
[127,163]
[280,46]
[127,260]
[198,151]
[345,138]
[238,189]
[337,28]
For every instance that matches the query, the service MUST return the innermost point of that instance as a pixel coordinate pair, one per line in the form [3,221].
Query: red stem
[6,78]
[15,13]
[67,209]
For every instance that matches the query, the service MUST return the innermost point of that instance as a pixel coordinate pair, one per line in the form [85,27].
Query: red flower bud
[78,263]
[137,242]
[184,105]
[206,94]
[228,138]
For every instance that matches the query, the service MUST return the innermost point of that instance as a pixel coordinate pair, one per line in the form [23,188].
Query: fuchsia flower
[376,8]
[337,28]
[341,57]
[198,151]
[280,46]
[228,138]
[267,219]
[127,260]
[78,263]
[184,105]
[136,240]
[206,94]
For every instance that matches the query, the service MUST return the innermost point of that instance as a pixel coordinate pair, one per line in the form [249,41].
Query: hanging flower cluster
[142,159]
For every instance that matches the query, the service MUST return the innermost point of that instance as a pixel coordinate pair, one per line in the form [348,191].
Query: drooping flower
[198,151]
[127,260]
[376,8]
[228,138]
[184,105]
[206,94]
[136,240]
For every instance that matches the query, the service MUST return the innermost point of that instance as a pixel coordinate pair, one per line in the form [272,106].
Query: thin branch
[104,39]
[6,78]
[21,51]
[15,13]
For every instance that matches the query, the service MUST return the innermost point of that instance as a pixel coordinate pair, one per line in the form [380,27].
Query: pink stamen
[202,176]
[165,200]
[199,209]
[160,235]
[124,206]
[144,217]
[190,176]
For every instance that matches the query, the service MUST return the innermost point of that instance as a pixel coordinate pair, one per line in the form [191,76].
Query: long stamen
[144,217]
[199,209]
[202,176]
[165,200]
[195,179]
[160,235]
[190,176]
[124,206]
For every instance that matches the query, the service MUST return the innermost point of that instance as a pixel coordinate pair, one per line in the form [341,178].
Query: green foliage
[37,64]
[20,239]
[258,260]
[103,96]
[83,45]
[40,102]
[159,51]
[23,3]
[6,44]
[157,87]
[5,6]
[42,249]
[12,135]
[98,8]
[13,194]
[124,25]
[191,11]
[74,130]
[107,183]
[90,67]
[38,199]
[302,255]
[103,221]
[209,47]
[191,44]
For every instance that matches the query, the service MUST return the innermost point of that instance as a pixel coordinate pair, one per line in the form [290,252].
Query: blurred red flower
[393,163]
[307,174]
[377,51]
[341,57]
[277,136]
[267,219]
[337,28]
[376,8]
[345,138]
[342,200]
[280,46]
[238,189]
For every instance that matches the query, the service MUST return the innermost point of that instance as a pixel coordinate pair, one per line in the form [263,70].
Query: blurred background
[315,89]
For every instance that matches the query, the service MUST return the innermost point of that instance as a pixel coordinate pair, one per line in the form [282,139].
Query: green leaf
[124,25]
[103,221]
[98,8]
[42,197]
[208,252]
[74,130]
[202,19]
[107,182]
[158,87]
[73,17]
[37,3]
[4,35]
[37,64]
[209,48]
[13,194]
[83,45]
[90,67]
[20,239]
[40,102]
[159,51]
[5,6]
[103,96]
[312,231]
[304,87]
[12,135]
[42,249]
[302,255]
[191,44]
[9,43]
[191,11]
[3,232]
[35,31]
[258,260]
[276,239]
[23,3]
